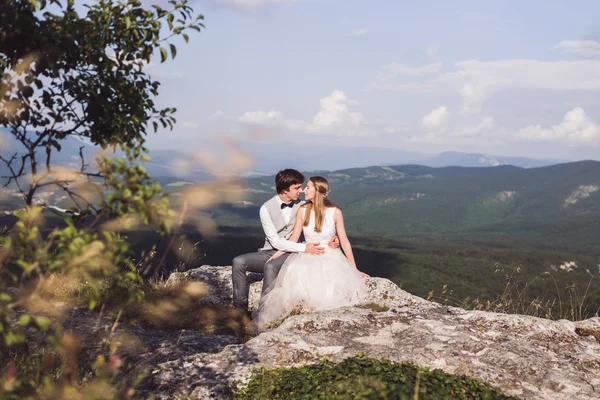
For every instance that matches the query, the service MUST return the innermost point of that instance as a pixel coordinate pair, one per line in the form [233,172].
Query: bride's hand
[364,274]
[334,243]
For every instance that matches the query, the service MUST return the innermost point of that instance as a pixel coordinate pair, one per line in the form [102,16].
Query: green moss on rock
[364,378]
[374,306]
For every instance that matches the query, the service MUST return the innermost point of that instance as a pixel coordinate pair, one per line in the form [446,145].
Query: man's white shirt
[277,242]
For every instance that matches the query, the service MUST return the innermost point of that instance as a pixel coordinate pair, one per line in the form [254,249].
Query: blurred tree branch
[65,75]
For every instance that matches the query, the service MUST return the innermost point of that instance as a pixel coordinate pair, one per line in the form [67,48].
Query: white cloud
[485,127]
[575,129]
[436,118]
[334,117]
[335,114]
[518,73]
[475,81]
[261,117]
[360,32]
[473,96]
[583,48]
[478,80]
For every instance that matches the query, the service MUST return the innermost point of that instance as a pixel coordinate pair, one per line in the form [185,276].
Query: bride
[316,282]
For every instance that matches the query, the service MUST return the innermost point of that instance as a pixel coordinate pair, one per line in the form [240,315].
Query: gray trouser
[253,262]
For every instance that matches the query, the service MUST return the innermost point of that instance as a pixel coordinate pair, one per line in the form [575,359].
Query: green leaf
[163,54]
[5,297]
[170,18]
[186,38]
[173,50]
[127,22]
[43,323]
[11,338]
[24,319]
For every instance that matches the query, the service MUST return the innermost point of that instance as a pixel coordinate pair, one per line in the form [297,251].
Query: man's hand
[314,248]
[278,254]
[334,243]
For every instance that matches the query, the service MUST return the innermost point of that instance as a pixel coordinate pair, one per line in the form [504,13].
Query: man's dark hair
[286,178]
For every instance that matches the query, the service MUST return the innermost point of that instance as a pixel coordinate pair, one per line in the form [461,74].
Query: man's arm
[277,242]
[295,235]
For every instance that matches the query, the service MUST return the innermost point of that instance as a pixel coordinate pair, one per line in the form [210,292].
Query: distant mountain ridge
[269,157]
[458,159]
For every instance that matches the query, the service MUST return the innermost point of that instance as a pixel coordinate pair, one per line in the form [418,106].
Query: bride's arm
[344,242]
[295,233]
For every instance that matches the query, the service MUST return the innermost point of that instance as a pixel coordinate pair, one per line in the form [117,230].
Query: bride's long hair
[319,203]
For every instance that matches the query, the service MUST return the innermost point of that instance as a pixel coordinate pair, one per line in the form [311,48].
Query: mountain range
[556,205]
[269,157]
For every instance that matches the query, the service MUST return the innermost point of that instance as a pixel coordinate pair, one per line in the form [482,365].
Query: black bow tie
[290,205]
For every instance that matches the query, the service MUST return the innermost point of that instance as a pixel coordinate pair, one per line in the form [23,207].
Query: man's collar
[279,201]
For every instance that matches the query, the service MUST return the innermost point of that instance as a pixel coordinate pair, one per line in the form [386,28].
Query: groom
[277,216]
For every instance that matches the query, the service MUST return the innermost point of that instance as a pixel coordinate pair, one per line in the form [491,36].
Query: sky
[504,77]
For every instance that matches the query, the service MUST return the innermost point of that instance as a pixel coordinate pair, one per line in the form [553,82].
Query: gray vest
[283,230]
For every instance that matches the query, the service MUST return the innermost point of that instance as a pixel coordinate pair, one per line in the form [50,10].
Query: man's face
[294,192]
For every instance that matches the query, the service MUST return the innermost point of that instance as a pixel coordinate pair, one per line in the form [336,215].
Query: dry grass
[514,300]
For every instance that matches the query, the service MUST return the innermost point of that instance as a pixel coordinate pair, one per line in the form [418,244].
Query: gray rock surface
[528,357]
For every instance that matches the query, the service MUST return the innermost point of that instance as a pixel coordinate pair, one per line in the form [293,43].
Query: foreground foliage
[69,76]
[364,378]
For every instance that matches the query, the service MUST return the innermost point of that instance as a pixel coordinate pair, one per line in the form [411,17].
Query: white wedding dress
[317,282]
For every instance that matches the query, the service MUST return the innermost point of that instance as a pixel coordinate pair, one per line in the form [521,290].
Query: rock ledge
[528,357]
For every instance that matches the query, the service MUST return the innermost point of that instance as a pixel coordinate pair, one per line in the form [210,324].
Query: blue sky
[502,77]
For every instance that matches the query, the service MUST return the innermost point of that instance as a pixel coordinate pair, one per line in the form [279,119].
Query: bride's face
[309,192]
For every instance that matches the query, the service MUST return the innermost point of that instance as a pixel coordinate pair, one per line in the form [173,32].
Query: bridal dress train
[317,282]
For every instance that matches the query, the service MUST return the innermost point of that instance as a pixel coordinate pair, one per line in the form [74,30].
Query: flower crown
[326,193]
